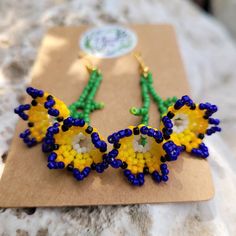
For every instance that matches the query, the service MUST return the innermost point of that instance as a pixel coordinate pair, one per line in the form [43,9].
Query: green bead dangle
[162,105]
[85,105]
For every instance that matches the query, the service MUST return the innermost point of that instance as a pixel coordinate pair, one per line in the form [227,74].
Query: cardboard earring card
[27,182]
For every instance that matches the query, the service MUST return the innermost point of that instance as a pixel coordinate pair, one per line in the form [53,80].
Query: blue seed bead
[116,137]
[156,177]
[144,130]
[103,145]
[50,129]
[76,122]
[99,168]
[116,163]
[40,93]
[202,145]
[46,148]
[75,171]
[135,182]
[208,105]
[79,177]
[31,143]
[95,136]
[213,121]
[185,98]
[164,178]
[27,106]
[49,135]
[68,121]
[17,110]
[141,182]
[167,145]
[86,171]
[26,139]
[205,154]
[23,116]
[140,176]
[30,90]
[150,132]
[56,124]
[121,133]
[209,132]
[56,130]
[163,166]
[95,139]
[60,165]
[98,144]
[167,131]
[128,132]
[127,173]
[52,157]
[110,139]
[157,135]
[213,108]
[104,165]
[178,104]
[113,153]
[131,178]
[52,165]
[49,140]
[202,106]
[49,104]
[217,129]
[53,112]
[24,134]
[22,108]
[165,171]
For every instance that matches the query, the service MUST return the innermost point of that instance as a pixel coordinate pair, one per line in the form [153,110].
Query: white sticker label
[108,41]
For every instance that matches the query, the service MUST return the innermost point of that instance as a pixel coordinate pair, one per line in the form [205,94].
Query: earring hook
[144,69]
[89,65]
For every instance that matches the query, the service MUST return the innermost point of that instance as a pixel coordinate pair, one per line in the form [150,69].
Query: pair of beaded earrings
[73,144]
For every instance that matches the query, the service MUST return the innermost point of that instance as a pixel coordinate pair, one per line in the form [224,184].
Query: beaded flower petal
[40,114]
[75,145]
[142,150]
[191,123]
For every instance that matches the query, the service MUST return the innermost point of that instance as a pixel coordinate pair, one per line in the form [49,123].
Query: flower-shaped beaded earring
[191,121]
[74,144]
[65,131]
[141,150]
[42,112]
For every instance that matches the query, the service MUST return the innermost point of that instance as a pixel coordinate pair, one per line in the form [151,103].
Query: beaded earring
[43,110]
[65,131]
[191,121]
[141,149]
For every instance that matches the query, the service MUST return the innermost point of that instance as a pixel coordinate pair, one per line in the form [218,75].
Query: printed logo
[108,41]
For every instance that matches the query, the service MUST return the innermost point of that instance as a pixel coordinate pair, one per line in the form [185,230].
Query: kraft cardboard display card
[27,182]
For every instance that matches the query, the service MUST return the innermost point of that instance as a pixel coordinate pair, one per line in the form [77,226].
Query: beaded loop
[76,146]
[137,158]
[191,123]
[40,114]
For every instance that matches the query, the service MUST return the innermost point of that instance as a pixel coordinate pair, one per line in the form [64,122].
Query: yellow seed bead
[139,155]
[134,170]
[79,156]
[147,155]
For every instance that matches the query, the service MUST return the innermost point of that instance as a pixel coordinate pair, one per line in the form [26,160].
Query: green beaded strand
[86,102]
[162,105]
[144,110]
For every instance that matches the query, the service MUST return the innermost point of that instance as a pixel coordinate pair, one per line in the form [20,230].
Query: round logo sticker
[108,41]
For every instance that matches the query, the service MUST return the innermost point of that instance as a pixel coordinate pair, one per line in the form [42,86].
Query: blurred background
[206,34]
